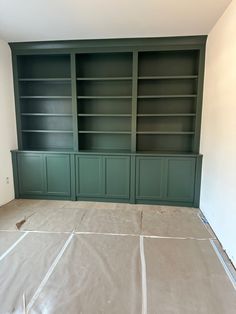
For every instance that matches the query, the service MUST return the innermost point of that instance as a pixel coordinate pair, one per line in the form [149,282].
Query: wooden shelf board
[46,131]
[104,97]
[124,78]
[167,96]
[103,115]
[105,132]
[44,79]
[165,133]
[50,149]
[47,114]
[165,152]
[167,77]
[106,151]
[45,97]
[166,115]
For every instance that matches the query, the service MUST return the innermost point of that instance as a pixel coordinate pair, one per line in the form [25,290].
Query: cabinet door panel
[180,179]
[89,176]
[31,174]
[149,181]
[117,177]
[58,175]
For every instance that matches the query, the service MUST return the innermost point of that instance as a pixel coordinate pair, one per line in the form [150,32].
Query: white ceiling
[31,20]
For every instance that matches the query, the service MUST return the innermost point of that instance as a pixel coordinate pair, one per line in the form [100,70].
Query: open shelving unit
[104,93]
[45,102]
[167,95]
[130,99]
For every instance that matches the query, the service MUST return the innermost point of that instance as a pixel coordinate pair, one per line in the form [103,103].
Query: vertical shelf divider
[196,142]
[17,101]
[134,100]
[74,102]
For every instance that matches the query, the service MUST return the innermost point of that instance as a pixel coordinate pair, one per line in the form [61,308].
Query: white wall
[86,19]
[218,143]
[7,124]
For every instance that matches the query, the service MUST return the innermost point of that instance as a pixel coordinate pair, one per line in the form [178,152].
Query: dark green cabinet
[58,175]
[150,176]
[117,177]
[180,179]
[31,174]
[165,179]
[125,178]
[105,177]
[89,176]
[44,175]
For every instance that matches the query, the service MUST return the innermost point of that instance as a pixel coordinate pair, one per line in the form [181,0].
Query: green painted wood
[46,106]
[137,98]
[132,179]
[44,197]
[120,78]
[31,174]
[180,179]
[167,77]
[104,115]
[105,124]
[111,44]
[167,68]
[197,186]
[167,106]
[104,65]
[89,172]
[149,178]
[115,153]
[15,174]
[164,202]
[58,176]
[168,96]
[44,96]
[104,97]
[74,102]
[101,199]
[73,177]
[134,100]
[201,68]
[117,177]
[17,101]
[61,89]
[47,66]
[168,64]
[45,79]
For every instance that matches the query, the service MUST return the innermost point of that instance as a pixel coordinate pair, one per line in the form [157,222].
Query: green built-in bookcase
[104,93]
[124,96]
[45,101]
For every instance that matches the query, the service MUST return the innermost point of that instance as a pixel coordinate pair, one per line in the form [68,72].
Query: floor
[109,258]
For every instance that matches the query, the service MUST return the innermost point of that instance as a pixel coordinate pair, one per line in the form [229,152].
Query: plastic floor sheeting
[109,258]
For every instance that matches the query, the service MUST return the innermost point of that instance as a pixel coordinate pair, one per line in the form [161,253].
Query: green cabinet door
[180,179]
[31,174]
[89,176]
[58,181]
[149,178]
[117,176]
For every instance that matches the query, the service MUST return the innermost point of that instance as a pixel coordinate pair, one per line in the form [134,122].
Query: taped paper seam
[144,276]
[11,248]
[228,272]
[49,273]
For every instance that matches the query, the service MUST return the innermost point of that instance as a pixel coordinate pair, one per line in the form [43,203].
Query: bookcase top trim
[130,43]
